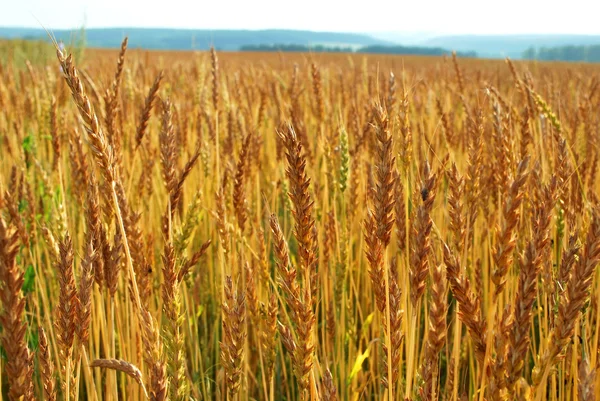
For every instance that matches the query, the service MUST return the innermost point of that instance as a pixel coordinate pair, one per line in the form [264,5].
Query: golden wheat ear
[46,366]
[19,359]
[121,366]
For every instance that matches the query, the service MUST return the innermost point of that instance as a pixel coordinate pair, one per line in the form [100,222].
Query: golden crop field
[238,226]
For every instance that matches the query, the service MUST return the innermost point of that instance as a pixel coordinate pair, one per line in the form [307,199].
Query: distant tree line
[414,50]
[589,53]
[295,48]
[373,49]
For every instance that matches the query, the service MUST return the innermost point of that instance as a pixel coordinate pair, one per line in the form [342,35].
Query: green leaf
[360,358]
[27,143]
[367,323]
[200,311]
[29,280]
[33,339]
[22,205]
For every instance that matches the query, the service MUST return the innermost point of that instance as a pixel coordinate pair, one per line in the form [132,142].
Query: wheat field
[222,226]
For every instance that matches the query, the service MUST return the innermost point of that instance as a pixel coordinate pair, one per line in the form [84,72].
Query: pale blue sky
[434,16]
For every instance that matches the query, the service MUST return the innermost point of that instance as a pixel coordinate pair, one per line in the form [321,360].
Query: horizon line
[429,33]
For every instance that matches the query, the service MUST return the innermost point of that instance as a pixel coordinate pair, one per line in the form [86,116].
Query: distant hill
[372,49]
[499,46]
[404,38]
[187,39]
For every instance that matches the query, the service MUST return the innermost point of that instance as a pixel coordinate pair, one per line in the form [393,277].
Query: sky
[367,16]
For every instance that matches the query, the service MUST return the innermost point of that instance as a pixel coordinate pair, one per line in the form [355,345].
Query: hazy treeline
[373,49]
[564,53]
